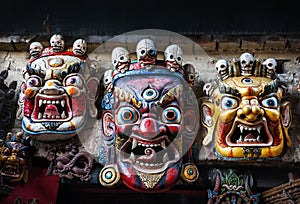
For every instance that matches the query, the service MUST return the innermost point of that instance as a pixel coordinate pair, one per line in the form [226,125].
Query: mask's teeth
[163,144]
[241,129]
[63,102]
[134,143]
[132,157]
[165,157]
[258,129]
[40,102]
[258,138]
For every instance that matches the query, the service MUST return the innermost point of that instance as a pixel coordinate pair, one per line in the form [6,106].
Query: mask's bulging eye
[171,115]
[33,82]
[127,115]
[74,81]
[228,103]
[271,102]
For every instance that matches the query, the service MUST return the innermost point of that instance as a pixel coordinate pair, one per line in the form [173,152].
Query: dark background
[109,17]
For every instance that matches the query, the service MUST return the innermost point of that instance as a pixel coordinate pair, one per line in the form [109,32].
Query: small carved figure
[222,68]
[146,52]
[35,49]
[270,65]
[57,43]
[79,47]
[173,57]
[247,62]
[120,59]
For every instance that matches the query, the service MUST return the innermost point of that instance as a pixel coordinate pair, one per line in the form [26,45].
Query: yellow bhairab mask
[244,113]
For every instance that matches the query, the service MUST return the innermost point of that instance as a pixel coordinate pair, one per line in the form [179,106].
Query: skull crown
[246,65]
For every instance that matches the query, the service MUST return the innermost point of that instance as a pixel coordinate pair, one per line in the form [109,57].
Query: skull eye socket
[127,115]
[270,64]
[271,102]
[171,115]
[143,52]
[251,62]
[228,103]
[179,59]
[222,66]
[243,61]
[191,77]
[152,52]
[171,56]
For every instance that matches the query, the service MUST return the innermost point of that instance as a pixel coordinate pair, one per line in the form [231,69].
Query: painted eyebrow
[229,90]
[170,96]
[269,88]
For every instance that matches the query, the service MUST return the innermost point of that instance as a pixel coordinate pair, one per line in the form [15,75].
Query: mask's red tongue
[51,110]
[149,157]
[250,136]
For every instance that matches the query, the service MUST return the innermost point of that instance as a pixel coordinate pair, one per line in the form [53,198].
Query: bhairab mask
[150,120]
[57,94]
[245,114]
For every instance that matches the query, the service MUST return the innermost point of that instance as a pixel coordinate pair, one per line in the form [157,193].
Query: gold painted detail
[171,95]
[124,95]
[150,180]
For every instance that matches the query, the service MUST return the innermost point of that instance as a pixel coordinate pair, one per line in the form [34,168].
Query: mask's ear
[207,121]
[108,124]
[286,120]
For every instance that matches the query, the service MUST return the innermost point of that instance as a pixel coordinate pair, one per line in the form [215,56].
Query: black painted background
[116,16]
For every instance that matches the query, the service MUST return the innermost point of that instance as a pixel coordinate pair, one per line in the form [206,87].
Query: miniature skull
[222,68]
[57,43]
[120,59]
[35,49]
[146,52]
[208,88]
[173,57]
[79,47]
[247,61]
[189,74]
[107,79]
[270,65]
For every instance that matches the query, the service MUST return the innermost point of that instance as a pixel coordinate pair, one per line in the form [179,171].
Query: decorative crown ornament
[149,119]
[245,112]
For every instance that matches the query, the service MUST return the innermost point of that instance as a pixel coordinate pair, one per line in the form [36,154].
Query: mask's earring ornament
[149,122]
[245,112]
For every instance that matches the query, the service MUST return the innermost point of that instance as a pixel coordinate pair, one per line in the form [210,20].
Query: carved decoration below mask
[232,187]
[68,160]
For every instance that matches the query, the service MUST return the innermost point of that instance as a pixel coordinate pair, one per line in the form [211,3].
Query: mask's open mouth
[242,135]
[10,170]
[54,108]
[149,156]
